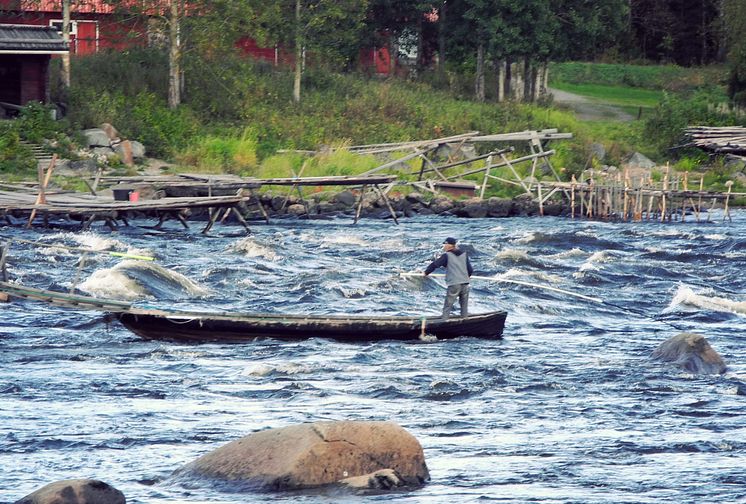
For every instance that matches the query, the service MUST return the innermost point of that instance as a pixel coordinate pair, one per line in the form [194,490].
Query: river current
[568,407]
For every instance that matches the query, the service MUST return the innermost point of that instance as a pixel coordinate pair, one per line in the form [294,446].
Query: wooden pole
[541,203]
[572,198]
[726,211]
[78,272]
[3,259]
[386,200]
[487,169]
[41,198]
[360,204]
[663,194]
[626,196]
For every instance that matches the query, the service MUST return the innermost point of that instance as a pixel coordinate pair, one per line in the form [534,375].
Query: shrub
[36,122]
[14,157]
[666,126]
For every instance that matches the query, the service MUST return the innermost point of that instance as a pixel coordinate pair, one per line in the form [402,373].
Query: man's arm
[441,261]
[469,269]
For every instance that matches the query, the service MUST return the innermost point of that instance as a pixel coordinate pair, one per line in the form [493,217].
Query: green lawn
[628,98]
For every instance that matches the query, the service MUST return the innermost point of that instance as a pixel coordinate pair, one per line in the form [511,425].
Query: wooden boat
[189,326]
[192,326]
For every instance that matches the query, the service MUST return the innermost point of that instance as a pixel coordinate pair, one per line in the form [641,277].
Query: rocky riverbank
[404,205]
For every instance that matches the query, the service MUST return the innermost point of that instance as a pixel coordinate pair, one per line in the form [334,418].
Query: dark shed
[25,51]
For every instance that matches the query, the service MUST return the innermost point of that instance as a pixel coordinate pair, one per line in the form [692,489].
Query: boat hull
[202,328]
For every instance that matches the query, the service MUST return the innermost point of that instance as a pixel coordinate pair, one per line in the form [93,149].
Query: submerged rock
[80,491]
[359,455]
[692,352]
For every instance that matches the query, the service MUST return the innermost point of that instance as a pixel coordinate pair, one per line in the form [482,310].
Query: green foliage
[666,125]
[615,95]
[690,163]
[15,159]
[221,154]
[659,77]
[134,71]
[336,162]
[163,130]
[735,25]
[36,122]
[144,117]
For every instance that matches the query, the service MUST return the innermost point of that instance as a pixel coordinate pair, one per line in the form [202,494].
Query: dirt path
[589,110]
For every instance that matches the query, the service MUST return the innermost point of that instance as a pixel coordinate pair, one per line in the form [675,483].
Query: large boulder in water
[80,491]
[691,352]
[356,454]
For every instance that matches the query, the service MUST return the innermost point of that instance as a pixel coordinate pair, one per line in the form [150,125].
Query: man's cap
[450,241]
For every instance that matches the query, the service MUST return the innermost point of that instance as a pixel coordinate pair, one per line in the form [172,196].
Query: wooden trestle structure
[224,195]
[220,195]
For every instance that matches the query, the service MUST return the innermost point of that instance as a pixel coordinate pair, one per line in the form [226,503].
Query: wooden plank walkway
[24,201]
[88,208]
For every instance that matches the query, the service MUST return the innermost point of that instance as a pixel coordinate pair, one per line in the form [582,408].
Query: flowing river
[568,407]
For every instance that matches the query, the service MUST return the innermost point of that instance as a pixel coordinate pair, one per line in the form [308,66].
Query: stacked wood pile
[724,140]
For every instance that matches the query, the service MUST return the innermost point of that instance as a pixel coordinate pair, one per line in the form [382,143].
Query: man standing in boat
[458,270]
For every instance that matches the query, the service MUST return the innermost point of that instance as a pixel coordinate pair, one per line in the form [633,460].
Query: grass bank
[671,78]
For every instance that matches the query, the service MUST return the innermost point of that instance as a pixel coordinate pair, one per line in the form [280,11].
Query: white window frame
[58,23]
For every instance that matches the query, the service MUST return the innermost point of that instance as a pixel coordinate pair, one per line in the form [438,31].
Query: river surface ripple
[567,408]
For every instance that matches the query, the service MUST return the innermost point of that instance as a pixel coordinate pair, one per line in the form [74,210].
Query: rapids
[568,407]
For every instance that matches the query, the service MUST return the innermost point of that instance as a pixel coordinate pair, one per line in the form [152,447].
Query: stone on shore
[296,209]
[691,352]
[474,208]
[138,149]
[80,491]
[96,137]
[345,197]
[124,151]
[499,207]
[638,160]
[347,453]
[441,204]
[110,131]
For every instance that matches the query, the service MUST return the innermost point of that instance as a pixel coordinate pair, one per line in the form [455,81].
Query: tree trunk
[545,79]
[66,37]
[703,56]
[393,51]
[722,51]
[298,54]
[517,77]
[536,86]
[508,88]
[420,62]
[174,56]
[479,80]
[442,43]
[500,78]
[527,79]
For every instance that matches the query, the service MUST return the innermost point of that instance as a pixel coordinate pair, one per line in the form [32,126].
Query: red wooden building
[96,25]
[25,51]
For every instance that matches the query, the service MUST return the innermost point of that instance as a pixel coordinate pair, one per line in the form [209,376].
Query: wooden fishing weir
[637,198]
